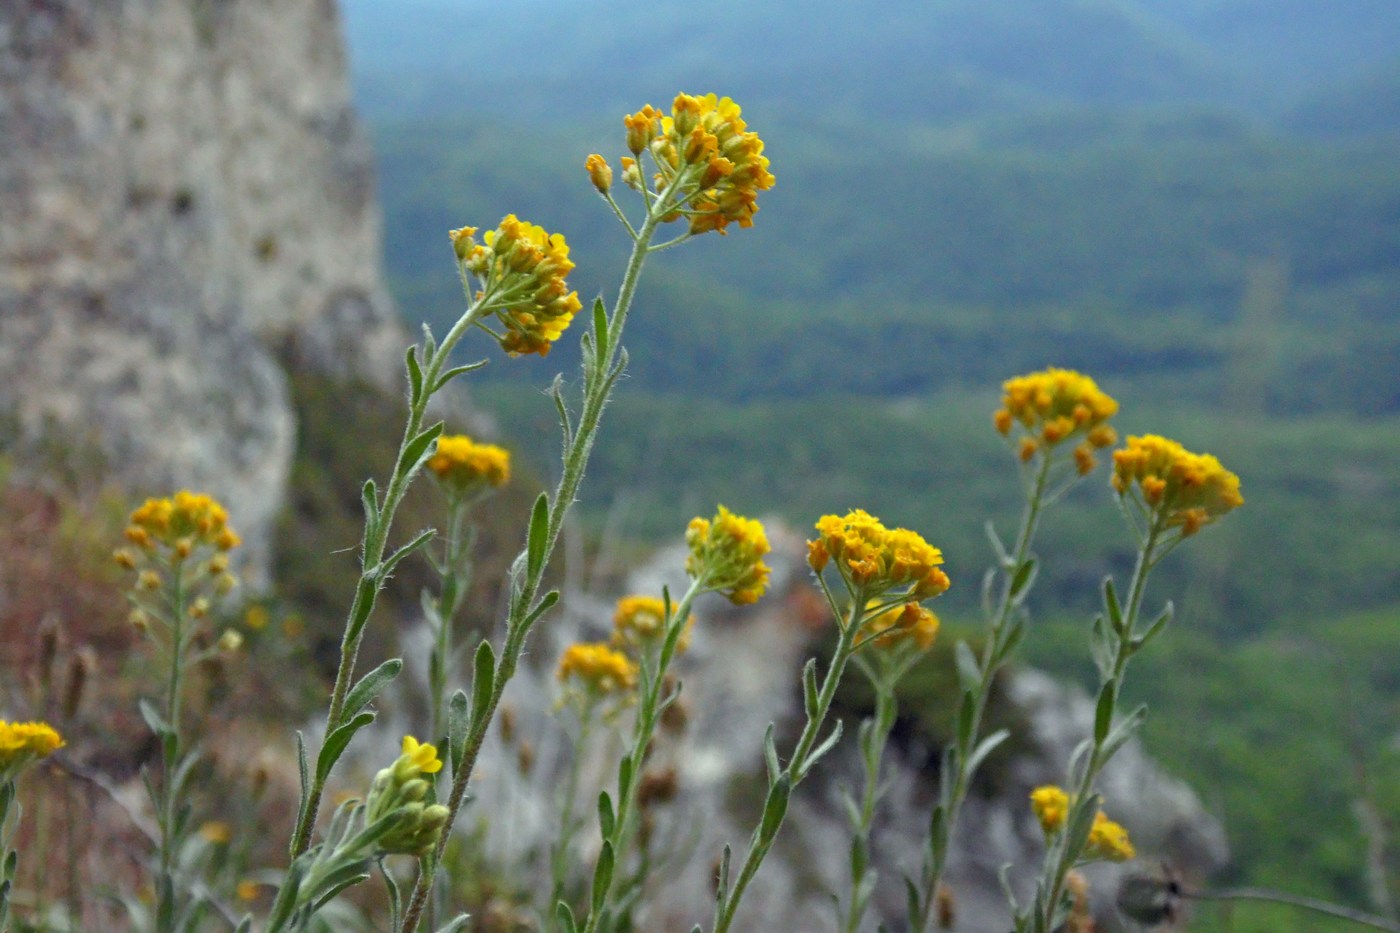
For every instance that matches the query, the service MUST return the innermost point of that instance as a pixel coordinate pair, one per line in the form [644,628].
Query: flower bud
[599,172]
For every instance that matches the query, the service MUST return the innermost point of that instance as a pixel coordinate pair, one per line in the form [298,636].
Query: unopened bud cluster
[463,467]
[1178,488]
[875,560]
[1055,407]
[402,789]
[727,553]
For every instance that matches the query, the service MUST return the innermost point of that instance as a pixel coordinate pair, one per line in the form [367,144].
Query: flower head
[598,668]
[1108,840]
[523,274]
[705,149]
[727,552]
[1051,807]
[179,525]
[1054,407]
[641,621]
[1179,488]
[877,559]
[909,624]
[401,790]
[23,742]
[463,466]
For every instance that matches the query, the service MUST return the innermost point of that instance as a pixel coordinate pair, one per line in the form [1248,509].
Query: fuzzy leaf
[416,450]
[969,670]
[336,742]
[539,530]
[483,677]
[775,808]
[1103,712]
[415,375]
[370,686]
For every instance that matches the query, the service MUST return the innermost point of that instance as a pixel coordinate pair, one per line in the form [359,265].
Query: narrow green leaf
[967,716]
[969,670]
[546,603]
[989,582]
[1112,605]
[456,925]
[1025,576]
[336,742]
[453,373]
[245,925]
[1081,822]
[369,497]
[912,901]
[483,677]
[1101,648]
[859,856]
[770,754]
[415,375]
[985,748]
[386,568]
[1003,558]
[539,530]
[1103,712]
[566,917]
[624,777]
[775,808]
[1126,729]
[820,751]
[458,721]
[606,820]
[1015,631]
[602,876]
[302,768]
[600,326]
[566,425]
[809,688]
[370,686]
[153,718]
[416,450]
[1155,629]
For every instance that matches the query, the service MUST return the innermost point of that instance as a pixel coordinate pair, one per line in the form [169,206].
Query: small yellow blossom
[247,890]
[910,624]
[417,758]
[1051,806]
[1180,488]
[400,790]
[877,559]
[230,641]
[1054,406]
[180,524]
[598,668]
[1108,840]
[22,742]
[641,620]
[523,274]
[256,618]
[727,551]
[216,832]
[463,465]
[599,172]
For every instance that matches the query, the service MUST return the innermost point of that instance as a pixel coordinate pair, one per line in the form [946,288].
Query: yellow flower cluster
[910,624]
[1107,839]
[1054,406]
[523,271]
[876,559]
[463,465]
[22,742]
[704,141]
[181,523]
[641,620]
[402,789]
[599,668]
[1180,488]
[727,552]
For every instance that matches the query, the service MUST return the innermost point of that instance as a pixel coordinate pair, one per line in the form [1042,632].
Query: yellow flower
[1108,840]
[401,789]
[523,274]
[1180,488]
[216,832]
[1051,806]
[641,620]
[599,172]
[874,558]
[910,624]
[256,618]
[598,668]
[707,145]
[727,551]
[1054,406]
[22,742]
[247,890]
[463,465]
[180,524]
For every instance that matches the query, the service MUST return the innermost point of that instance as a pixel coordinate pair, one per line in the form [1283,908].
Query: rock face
[187,200]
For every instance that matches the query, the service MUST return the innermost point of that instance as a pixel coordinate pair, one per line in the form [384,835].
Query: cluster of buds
[463,467]
[875,560]
[705,156]
[597,670]
[1108,840]
[899,628]
[1178,488]
[522,273]
[639,622]
[1055,407]
[403,789]
[23,742]
[727,552]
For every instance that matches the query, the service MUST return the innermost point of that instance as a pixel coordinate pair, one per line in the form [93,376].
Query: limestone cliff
[186,200]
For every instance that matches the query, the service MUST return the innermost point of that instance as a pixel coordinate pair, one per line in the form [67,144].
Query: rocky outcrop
[186,200]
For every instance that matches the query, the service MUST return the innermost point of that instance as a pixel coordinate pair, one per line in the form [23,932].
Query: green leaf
[458,721]
[539,531]
[1112,605]
[809,688]
[1025,576]
[415,375]
[302,769]
[556,392]
[967,718]
[483,677]
[387,566]
[370,686]
[1003,558]
[1155,629]
[602,876]
[600,326]
[624,777]
[1081,822]
[1103,712]
[985,748]
[153,718]
[566,917]
[416,450]
[820,751]
[546,603]
[369,497]
[1125,730]
[456,925]
[1101,647]
[770,754]
[606,819]
[454,372]
[912,901]
[775,808]
[336,742]
[969,670]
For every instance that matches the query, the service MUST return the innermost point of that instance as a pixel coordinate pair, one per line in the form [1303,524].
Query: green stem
[994,657]
[886,708]
[647,714]
[597,389]
[558,860]
[170,752]
[454,585]
[797,765]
